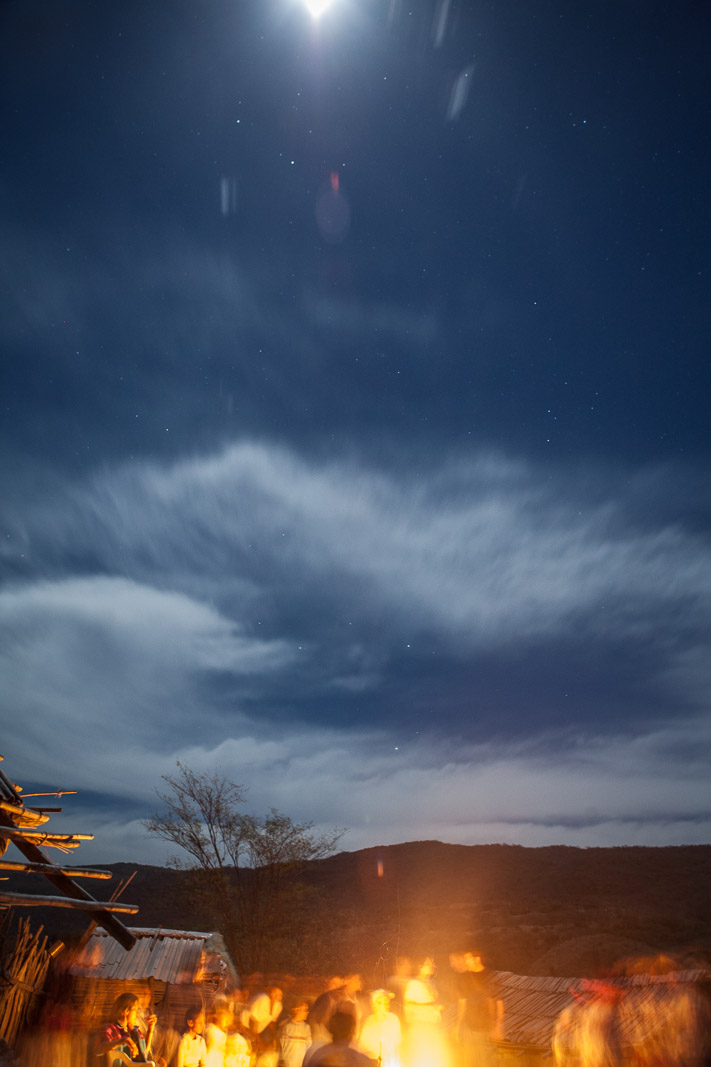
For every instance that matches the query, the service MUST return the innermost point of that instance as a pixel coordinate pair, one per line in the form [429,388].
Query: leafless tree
[249,867]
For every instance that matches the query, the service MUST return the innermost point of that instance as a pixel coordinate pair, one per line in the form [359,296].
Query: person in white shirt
[263,1010]
[192,1050]
[381,1035]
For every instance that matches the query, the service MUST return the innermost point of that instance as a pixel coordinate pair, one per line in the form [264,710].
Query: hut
[178,967]
[651,1009]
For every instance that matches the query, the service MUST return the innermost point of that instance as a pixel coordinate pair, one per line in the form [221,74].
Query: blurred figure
[420,997]
[165,1040]
[341,998]
[263,1010]
[424,1044]
[295,1036]
[479,1022]
[566,1038]
[238,1051]
[397,983]
[268,1048]
[600,1036]
[587,1032]
[221,1021]
[677,1029]
[338,1052]
[381,1034]
[58,1038]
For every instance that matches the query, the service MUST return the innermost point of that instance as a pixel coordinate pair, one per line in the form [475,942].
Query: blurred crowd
[416,1019]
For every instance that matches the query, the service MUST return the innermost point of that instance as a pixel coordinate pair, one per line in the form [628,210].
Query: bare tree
[249,867]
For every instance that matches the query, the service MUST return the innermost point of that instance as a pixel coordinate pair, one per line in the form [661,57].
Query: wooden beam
[23,816]
[43,837]
[51,868]
[64,884]
[26,900]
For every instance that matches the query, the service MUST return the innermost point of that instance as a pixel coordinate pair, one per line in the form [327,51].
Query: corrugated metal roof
[173,956]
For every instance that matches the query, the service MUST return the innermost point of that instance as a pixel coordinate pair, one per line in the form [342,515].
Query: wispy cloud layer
[167,611]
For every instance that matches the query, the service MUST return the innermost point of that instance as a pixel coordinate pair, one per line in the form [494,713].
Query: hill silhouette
[551,911]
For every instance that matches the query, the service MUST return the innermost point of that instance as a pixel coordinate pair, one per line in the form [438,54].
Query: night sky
[355,414]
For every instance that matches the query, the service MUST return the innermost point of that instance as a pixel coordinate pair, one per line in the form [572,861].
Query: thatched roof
[532,1004]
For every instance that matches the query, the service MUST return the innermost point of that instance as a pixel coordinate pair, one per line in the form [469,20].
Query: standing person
[479,1014]
[420,996]
[397,984]
[165,1039]
[263,1010]
[599,1033]
[349,999]
[238,1051]
[425,1042]
[381,1033]
[341,998]
[192,1050]
[338,1052]
[295,1036]
[220,1024]
[323,1009]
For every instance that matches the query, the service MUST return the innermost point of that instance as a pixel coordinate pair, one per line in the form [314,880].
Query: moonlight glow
[317,7]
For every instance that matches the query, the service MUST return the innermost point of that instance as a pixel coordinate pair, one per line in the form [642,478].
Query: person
[565,1040]
[238,1051]
[216,1033]
[599,1032]
[192,1050]
[123,1038]
[165,1039]
[479,1022]
[263,1010]
[338,1052]
[343,997]
[381,1034]
[397,984]
[420,996]
[425,1042]
[295,1036]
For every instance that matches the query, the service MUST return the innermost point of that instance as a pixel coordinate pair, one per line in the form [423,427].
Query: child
[295,1036]
[192,1050]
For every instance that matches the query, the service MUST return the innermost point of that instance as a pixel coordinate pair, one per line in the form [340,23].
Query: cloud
[600,792]
[488,552]
[104,671]
[131,639]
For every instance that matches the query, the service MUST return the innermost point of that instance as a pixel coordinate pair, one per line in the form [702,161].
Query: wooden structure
[20,825]
[179,967]
[532,1006]
[24,960]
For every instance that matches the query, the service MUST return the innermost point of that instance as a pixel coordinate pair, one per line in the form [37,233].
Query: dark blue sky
[355,425]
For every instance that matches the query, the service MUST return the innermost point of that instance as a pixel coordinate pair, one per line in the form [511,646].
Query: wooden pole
[24,816]
[32,900]
[42,837]
[49,868]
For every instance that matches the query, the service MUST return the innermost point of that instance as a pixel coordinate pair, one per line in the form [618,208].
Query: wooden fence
[24,959]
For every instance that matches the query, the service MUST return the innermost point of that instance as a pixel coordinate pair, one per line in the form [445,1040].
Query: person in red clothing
[123,1035]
